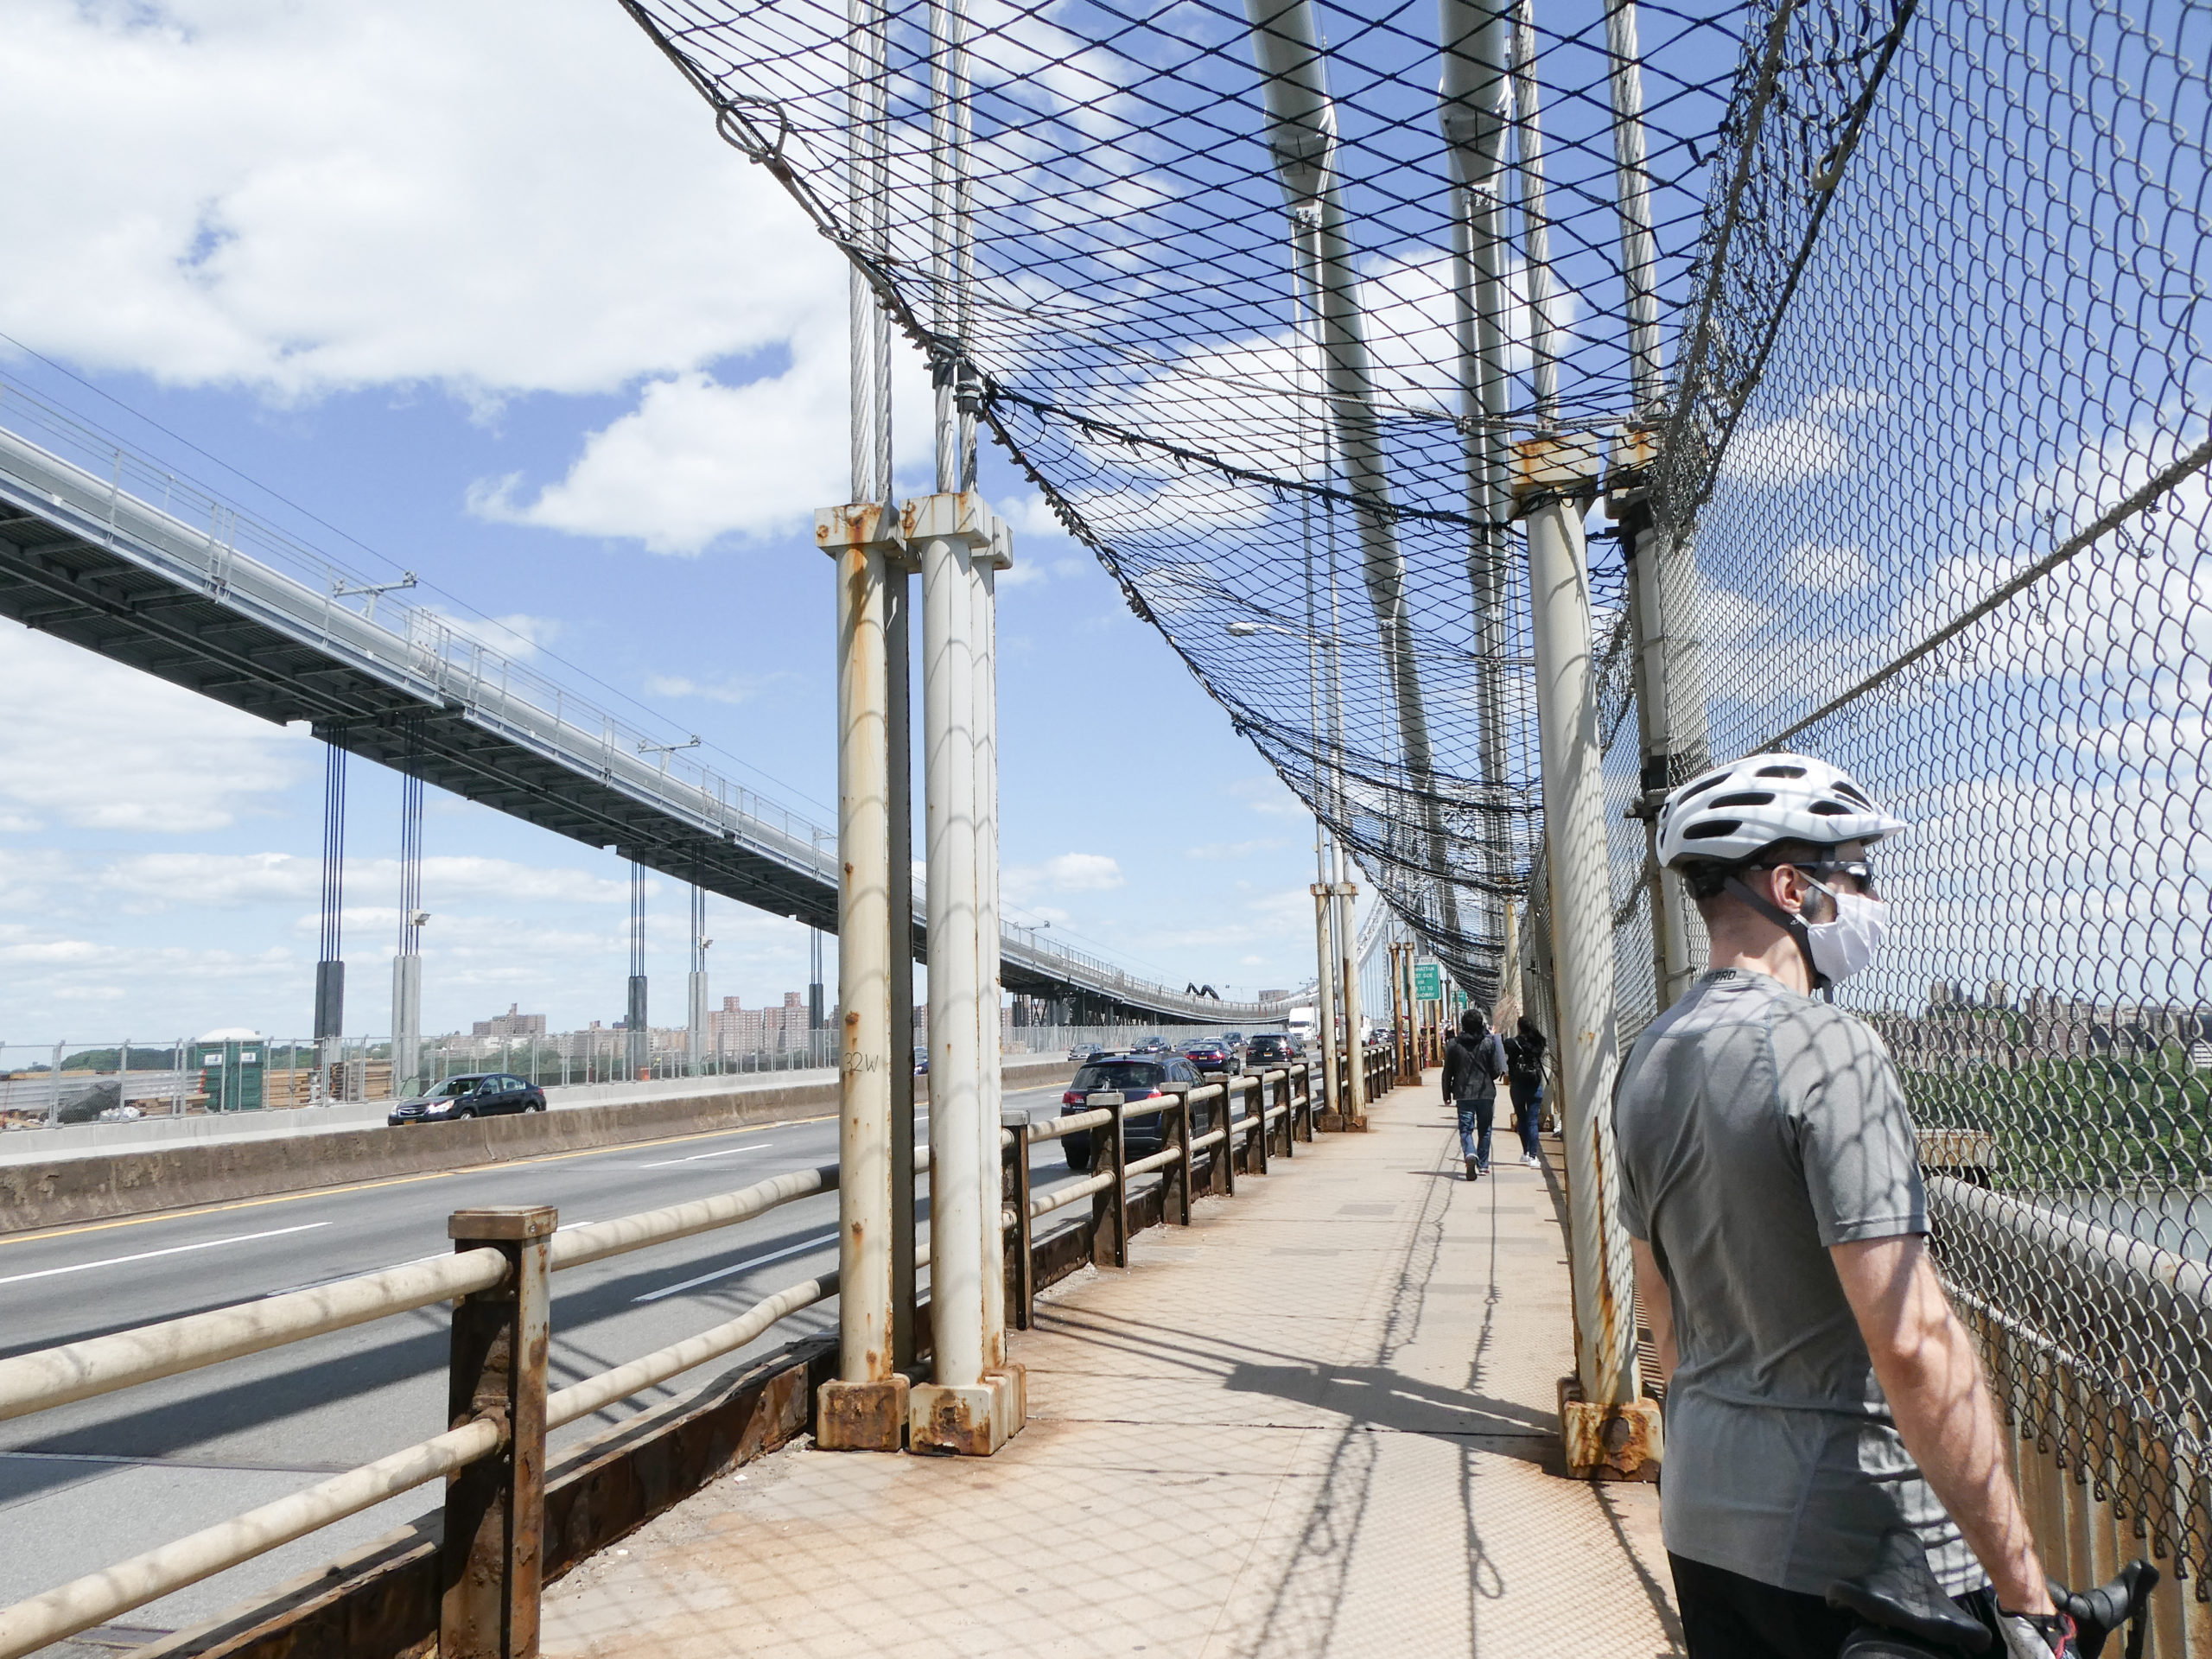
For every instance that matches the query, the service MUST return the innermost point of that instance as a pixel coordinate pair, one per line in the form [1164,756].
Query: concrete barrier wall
[100,1187]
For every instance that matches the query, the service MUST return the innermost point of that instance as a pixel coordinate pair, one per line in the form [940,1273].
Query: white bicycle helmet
[1726,815]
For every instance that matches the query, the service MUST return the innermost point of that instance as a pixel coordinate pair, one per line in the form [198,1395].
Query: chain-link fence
[1939,441]
[1925,496]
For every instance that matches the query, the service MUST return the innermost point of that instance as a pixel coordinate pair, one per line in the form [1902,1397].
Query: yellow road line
[395,1180]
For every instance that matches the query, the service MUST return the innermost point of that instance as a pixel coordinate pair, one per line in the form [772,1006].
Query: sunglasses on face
[1858,870]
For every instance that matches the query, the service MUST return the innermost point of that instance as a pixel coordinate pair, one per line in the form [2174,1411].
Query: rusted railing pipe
[79,1370]
[98,1597]
[596,1393]
[575,1246]
[1053,1128]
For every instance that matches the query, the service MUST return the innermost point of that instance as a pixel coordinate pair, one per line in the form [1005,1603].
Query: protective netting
[1145,351]
[1927,285]
[1942,460]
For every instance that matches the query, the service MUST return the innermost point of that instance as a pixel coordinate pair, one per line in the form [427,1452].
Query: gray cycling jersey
[1758,1127]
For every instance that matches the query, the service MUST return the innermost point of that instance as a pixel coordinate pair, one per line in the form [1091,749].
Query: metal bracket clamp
[1628,472]
[958,515]
[863,525]
[1565,466]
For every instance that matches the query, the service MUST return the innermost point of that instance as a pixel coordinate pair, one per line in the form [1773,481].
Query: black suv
[1211,1055]
[483,1094]
[1136,1077]
[1269,1049]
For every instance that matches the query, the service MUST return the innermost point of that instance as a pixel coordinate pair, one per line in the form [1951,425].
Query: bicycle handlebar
[1899,1597]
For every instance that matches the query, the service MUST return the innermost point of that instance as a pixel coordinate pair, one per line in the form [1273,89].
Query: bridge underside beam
[70,585]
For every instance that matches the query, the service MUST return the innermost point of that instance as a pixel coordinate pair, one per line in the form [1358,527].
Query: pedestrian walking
[1473,1062]
[1524,1076]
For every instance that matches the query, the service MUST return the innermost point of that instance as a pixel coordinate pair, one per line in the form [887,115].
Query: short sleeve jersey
[1757,1127]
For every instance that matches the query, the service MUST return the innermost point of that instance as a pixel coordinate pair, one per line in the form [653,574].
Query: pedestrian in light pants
[1473,1062]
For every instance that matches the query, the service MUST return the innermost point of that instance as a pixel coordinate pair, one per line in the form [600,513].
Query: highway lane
[89,1483]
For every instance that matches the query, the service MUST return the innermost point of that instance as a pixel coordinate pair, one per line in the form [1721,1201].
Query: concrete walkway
[1318,1421]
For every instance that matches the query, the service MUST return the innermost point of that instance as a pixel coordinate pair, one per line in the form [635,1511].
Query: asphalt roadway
[89,1484]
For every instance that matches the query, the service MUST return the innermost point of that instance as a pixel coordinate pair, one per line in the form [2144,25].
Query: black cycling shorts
[1728,1616]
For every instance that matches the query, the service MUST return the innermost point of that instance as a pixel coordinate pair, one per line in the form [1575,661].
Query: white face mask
[1845,943]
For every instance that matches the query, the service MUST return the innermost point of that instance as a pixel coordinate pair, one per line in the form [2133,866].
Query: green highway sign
[1428,981]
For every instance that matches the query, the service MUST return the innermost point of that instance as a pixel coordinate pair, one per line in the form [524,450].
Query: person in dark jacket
[1473,1062]
[1524,1074]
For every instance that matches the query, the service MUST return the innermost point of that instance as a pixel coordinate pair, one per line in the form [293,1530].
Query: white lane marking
[727,1151]
[174,1249]
[800,1248]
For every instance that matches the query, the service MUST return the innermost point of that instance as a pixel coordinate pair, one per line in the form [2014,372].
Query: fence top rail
[576,1246]
[79,1370]
[2046,1225]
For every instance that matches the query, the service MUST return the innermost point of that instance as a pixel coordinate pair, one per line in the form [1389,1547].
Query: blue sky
[477,287]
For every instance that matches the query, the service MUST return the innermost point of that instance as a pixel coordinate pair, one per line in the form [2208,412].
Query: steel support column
[1344,896]
[1286,41]
[968,1407]
[984,564]
[1325,1001]
[865,1408]
[330,964]
[1555,480]
[1670,720]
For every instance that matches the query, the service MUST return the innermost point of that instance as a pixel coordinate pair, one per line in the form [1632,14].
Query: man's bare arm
[1924,1359]
[1658,1304]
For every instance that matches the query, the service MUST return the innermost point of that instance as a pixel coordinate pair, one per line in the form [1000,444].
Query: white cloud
[1067,873]
[1828,567]
[697,460]
[1232,850]
[1268,795]
[502,196]
[1797,447]
[115,749]
[730,690]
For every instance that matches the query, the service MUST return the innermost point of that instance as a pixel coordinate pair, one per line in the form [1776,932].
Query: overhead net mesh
[1930,290]
[1148,353]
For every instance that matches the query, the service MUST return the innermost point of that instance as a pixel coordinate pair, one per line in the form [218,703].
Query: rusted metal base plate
[860,1416]
[970,1422]
[1609,1442]
[1332,1121]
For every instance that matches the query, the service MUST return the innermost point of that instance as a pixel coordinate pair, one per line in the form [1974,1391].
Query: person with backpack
[1473,1062]
[1524,1075]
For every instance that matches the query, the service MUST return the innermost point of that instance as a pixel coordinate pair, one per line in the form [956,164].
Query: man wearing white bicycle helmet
[1823,1401]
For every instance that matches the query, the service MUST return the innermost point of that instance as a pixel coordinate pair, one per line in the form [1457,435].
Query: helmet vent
[1833,809]
[1712,830]
[1691,790]
[1851,794]
[1779,772]
[1750,798]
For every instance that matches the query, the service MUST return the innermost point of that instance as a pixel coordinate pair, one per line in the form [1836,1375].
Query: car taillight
[1070,1098]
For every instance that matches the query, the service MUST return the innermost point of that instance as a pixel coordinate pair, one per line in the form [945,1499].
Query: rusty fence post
[489,1563]
[1178,1172]
[1020,1270]
[1258,1100]
[1280,1088]
[1226,1153]
[1109,1210]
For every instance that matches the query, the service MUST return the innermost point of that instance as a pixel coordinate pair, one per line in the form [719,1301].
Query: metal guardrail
[497,1280]
[201,544]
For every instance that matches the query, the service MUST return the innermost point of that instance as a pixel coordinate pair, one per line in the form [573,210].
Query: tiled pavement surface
[1318,1421]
